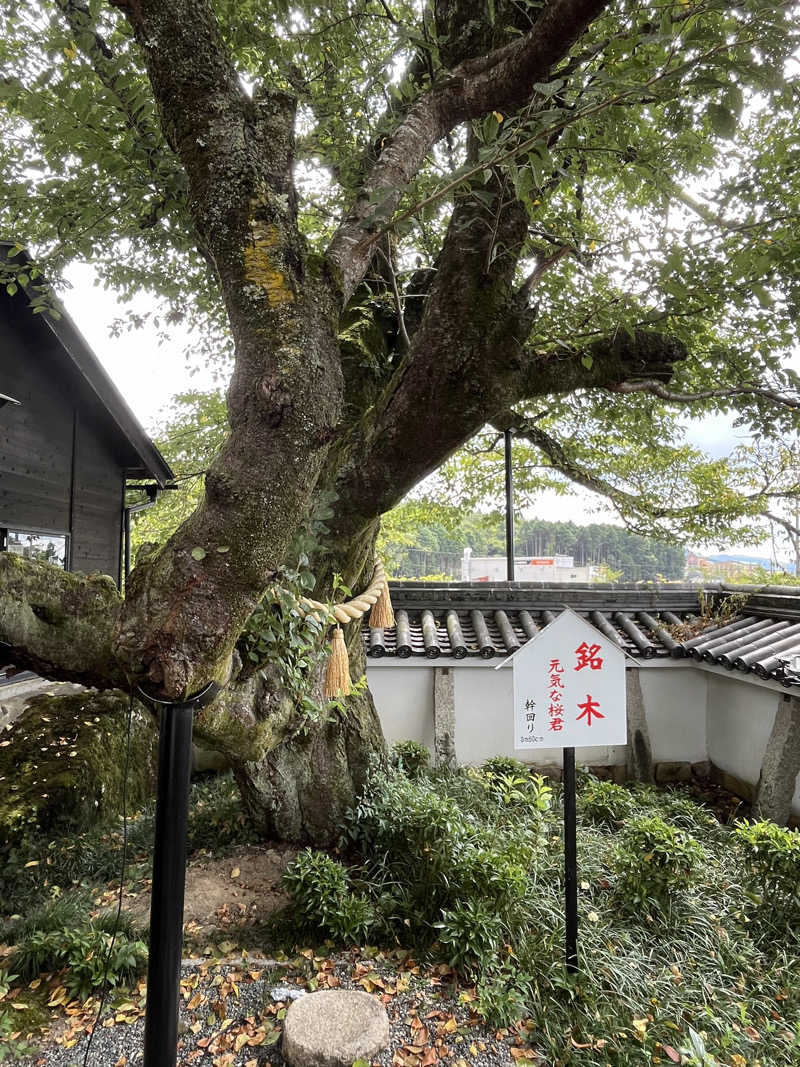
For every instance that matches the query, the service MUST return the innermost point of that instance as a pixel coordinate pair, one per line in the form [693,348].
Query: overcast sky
[148,375]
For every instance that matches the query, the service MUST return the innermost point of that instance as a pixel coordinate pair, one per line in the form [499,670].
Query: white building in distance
[526,569]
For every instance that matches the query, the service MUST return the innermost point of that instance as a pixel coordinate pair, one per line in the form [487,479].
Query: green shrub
[605,804]
[504,765]
[687,814]
[503,996]
[654,861]
[472,934]
[771,856]
[82,951]
[323,897]
[411,757]
[427,854]
[530,791]
[481,872]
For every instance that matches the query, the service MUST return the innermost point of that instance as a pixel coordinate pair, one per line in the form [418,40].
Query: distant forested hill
[416,548]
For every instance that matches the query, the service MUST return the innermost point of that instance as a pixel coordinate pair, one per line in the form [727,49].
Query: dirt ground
[243,887]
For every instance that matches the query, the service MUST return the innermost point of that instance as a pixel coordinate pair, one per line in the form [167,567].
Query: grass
[698,965]
[468,867]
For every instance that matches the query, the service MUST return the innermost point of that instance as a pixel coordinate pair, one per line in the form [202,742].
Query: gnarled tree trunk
[306,411]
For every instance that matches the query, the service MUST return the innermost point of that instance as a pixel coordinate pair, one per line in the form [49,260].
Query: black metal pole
[509,508]
[127,535]
[169,877]
[570,863]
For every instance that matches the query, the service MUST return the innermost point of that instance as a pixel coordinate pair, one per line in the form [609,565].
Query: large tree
[402,222]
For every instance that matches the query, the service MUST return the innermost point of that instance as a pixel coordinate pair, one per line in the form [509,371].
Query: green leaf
[723,121]
[761,294]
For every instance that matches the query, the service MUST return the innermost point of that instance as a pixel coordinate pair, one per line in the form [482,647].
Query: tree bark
[301,789]
[303,416]
[299,779]
[58,624]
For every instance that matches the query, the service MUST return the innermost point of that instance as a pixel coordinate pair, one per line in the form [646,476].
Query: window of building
[50,547]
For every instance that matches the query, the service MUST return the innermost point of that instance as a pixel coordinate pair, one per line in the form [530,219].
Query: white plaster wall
[404,698]
[675,708]
[484,713]
[739,720]
[674,703]
[692,713]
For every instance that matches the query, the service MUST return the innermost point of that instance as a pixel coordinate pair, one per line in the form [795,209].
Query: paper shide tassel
[337,671]
[381,617]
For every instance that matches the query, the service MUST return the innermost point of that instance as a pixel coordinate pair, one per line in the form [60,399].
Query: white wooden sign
[569,688]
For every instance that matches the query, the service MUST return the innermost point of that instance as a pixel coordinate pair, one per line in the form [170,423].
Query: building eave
[88,366]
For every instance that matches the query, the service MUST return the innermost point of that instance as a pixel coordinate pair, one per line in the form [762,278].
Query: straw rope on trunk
[375,600]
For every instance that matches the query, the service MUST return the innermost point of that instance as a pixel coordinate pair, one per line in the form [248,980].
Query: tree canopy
[656,164]
[396,224]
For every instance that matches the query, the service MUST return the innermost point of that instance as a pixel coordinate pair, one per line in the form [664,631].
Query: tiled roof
[490,620]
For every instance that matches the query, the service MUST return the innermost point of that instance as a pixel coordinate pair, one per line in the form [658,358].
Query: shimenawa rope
[375,600]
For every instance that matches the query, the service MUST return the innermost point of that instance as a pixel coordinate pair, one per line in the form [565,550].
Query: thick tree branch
[205,115]
[187,603]
[483,372]
[465,348]
[58,624]
[607,363]
[501,80]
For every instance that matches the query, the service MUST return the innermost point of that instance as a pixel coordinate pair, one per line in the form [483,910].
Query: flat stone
[701,770]
[673,771]
[334,1028]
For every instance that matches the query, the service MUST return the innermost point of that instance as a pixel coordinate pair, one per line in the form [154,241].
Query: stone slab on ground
[334,1028]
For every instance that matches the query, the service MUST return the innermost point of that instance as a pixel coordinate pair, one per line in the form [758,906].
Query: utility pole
[507,437]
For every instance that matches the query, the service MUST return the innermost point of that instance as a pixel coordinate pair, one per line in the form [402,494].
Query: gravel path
[231,1016]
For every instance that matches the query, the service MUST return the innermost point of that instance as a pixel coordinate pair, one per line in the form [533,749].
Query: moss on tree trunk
[301,787]
[62,763]
[301,790]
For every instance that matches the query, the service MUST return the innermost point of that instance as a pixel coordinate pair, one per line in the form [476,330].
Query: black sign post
[570,863]
[574,678]
[169,874]
[510,552]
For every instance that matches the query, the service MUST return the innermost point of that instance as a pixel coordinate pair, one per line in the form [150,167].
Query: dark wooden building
[69,443]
